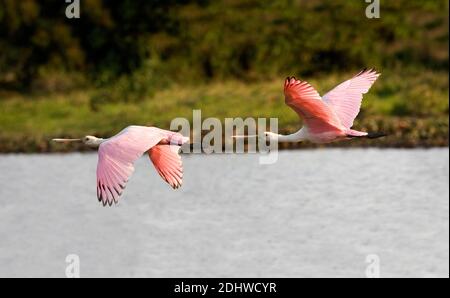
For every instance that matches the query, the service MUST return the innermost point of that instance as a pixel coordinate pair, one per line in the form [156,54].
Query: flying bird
[328,118]
[116,156]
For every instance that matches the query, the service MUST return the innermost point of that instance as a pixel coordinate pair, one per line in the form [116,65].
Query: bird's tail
[376,135]
[370,135]
[178,139]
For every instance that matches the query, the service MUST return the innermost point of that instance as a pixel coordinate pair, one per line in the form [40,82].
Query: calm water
[313,213]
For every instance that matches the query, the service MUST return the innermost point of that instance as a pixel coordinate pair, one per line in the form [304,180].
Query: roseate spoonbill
[117,154]
[328,118]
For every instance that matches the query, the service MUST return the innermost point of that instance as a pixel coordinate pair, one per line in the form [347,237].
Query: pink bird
[328,118]
[117,155]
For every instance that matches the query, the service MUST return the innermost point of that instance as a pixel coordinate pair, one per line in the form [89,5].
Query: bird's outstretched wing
[346,97]
[168,163]
[308,104]
[117,155]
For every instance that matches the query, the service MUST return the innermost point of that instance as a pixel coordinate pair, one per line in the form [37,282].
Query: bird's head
[270,136]
[92,141]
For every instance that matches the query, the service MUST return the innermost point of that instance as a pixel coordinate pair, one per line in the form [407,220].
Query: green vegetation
[147,62]
[405,107]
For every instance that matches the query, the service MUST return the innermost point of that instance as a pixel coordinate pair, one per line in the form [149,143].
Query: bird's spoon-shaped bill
[66,140]
[244,136]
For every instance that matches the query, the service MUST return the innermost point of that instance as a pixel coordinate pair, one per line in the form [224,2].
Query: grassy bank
[412,108]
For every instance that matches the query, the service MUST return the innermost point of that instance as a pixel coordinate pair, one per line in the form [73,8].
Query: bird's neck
[96,142]
[292,138]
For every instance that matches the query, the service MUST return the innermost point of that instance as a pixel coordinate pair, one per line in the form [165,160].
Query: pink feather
[346,98]
[117,155]
[306,101]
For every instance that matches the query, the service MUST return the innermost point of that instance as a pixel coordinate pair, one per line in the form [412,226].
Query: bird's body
[116,156]
[329,118]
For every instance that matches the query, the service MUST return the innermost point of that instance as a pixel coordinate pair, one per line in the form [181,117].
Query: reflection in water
[313,213]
